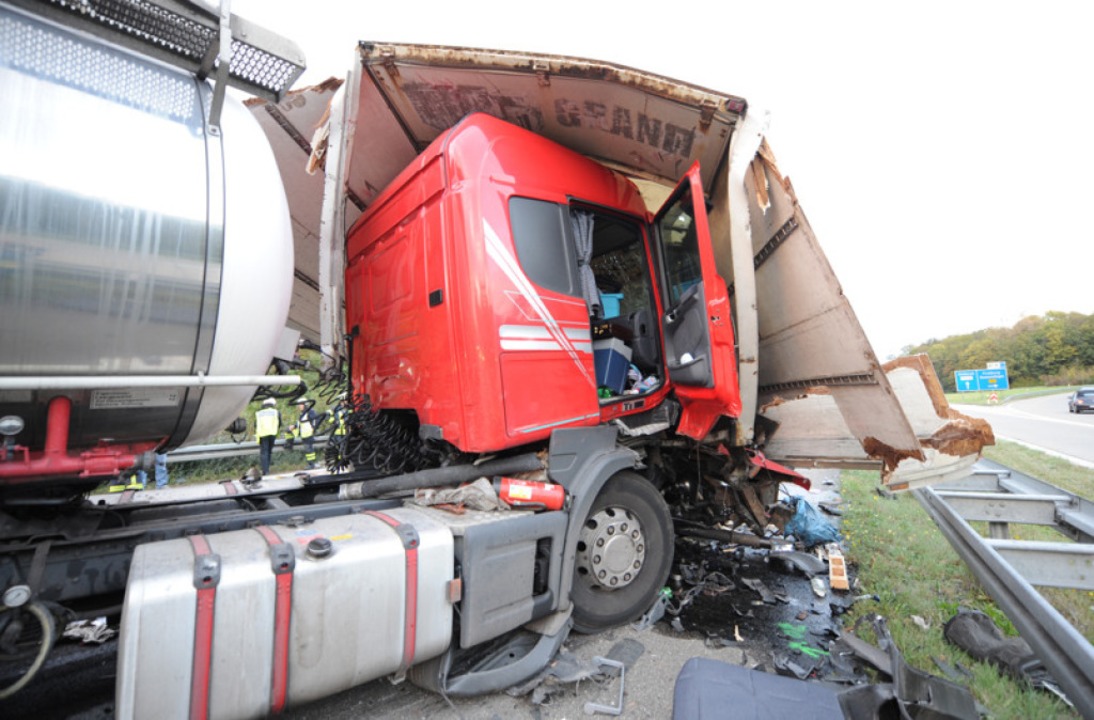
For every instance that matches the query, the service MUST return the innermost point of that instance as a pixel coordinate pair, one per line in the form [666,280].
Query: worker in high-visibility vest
[340,417]
[304,429]
[129,480]
[340,414]
[267,426]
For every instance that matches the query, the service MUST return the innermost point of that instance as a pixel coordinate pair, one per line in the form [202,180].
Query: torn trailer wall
[812,388]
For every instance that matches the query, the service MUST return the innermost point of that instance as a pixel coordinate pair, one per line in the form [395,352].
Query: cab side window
[544,247]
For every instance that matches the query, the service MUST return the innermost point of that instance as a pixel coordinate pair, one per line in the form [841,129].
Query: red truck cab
[503,286]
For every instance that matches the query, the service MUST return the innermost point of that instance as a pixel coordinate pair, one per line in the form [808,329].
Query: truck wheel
[623,554]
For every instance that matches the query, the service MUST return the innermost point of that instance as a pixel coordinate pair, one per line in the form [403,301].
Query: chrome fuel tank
[245,623]
[136,241]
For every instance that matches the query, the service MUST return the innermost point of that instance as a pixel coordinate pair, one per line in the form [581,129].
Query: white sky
[942,151]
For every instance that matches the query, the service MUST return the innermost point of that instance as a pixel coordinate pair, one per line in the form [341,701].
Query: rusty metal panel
[819,378]
[650,125]
[380,148]
[290,127]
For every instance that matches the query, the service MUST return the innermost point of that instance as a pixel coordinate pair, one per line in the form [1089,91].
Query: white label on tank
[135,398]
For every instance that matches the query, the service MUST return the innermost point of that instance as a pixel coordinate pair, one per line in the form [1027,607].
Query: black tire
[625,500]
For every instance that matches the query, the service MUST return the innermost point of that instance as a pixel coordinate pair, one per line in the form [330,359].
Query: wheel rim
[612,548]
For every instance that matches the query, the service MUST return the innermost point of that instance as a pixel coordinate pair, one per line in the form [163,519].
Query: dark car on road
[1081,400]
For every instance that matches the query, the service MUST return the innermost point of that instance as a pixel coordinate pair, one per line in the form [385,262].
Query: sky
[942,151]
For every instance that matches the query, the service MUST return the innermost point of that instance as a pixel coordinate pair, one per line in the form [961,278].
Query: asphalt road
[1042,422]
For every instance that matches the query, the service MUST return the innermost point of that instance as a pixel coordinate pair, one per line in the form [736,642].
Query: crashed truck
[586,282]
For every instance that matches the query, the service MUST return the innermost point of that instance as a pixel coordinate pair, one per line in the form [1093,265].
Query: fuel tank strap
[411,541]
[283,562]
[206,579]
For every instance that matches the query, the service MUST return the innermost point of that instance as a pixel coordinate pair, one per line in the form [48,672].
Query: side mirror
[238,426]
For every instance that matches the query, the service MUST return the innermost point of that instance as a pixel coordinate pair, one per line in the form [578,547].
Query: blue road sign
[965,380]
[994,377]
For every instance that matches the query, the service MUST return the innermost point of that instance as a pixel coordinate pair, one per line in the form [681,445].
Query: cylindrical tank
[135,240]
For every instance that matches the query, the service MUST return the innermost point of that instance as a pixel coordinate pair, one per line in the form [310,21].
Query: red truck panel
[452,326]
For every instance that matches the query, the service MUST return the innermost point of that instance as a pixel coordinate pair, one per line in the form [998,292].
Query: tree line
[1054,349]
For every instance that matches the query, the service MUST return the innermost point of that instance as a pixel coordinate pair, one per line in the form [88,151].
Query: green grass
[981,397]
[1053,470]
[897,553]
[207,471]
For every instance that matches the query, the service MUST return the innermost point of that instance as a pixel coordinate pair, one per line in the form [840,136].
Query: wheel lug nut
[600,542]
[614,581]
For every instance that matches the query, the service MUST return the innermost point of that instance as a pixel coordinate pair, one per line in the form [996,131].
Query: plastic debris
[656,612]
[808,525]
[89,631]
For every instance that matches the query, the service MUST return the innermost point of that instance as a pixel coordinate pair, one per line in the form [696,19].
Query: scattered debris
[979,636]
[89,631]
[568,669]
[656,611]
[837,568]
[806,563]
[956,672]
[818,586]
[920,622]
[592,708]
[762,590]
[808,526]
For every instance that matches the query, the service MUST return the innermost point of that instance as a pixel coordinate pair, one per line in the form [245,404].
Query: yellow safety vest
[266,423]
[306,429]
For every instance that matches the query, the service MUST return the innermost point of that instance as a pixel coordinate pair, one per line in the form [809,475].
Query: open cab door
[696,325]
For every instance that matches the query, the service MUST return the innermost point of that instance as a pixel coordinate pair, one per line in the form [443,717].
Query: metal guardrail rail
[227,450]
[1008,569]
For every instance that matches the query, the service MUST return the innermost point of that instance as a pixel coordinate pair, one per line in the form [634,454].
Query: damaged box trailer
[810,390]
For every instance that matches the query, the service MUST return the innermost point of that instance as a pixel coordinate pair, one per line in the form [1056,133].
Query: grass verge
[980,397]
[900,556]
[1057,471]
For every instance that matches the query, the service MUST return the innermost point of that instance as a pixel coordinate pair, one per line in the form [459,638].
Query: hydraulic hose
[45,619]
[437,477]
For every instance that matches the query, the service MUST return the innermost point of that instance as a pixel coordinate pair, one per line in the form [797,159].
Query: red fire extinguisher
[529,494]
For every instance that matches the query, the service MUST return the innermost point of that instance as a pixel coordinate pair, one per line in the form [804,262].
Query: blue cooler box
[612,358]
